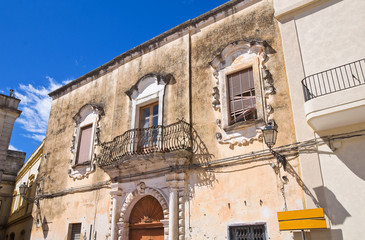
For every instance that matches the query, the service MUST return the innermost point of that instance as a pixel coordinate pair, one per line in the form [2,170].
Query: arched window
[147,97]
[148,91]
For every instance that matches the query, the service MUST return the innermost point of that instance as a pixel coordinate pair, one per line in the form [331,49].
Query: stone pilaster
[173,214]
[116,195]
[175,182]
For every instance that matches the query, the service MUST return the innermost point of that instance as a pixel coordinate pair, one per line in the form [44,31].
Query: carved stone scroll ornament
[141,188]
[269,109]
[216,103]
[269,87]
[159,78]
[239,139]
[218,136]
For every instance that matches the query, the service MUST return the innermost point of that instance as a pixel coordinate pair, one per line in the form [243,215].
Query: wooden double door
[144,221]
[146,234]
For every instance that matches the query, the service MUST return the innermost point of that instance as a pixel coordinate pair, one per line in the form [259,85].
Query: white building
[324,50]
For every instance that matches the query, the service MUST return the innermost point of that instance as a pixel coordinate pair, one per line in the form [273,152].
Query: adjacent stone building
[10,161]
[165,141]
[20,221]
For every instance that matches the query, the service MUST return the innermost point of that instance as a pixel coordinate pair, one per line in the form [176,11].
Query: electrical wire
[289,150]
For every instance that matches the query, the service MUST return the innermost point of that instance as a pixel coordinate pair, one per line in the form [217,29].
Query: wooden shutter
[75,231]
[84,147]
[241,92]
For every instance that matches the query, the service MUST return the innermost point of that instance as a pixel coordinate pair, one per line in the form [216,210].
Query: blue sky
[45,44]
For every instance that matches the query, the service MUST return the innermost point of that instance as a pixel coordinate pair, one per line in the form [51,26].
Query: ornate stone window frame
[236,57]
[89,114]
[148,89]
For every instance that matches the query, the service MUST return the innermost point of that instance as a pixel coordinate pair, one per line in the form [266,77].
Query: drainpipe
[190,93]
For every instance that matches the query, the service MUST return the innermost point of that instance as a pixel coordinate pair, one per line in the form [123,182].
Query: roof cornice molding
[193,25]
[291,11]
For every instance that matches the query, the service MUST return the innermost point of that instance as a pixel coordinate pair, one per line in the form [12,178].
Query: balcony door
[148,123]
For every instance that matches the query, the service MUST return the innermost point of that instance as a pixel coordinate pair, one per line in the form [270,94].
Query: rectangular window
[148,122]
[83,152]
[241,96]
[149,116]
[75,231]
[13,203]
[247,232]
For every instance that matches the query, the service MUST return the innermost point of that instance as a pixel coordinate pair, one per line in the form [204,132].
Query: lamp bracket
[281,159]
[271,122]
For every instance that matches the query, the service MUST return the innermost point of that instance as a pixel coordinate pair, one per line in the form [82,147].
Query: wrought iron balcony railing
[334,80]
[141,141]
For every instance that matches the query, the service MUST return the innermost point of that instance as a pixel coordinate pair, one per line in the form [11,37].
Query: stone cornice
[297,8]
[15,112]
[193,25]
[34,157]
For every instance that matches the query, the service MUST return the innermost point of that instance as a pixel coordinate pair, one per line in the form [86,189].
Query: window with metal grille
[247,232]
[75,231]
[241,96]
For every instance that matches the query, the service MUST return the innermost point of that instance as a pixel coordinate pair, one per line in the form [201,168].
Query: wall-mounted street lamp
[270,134]
[23,189]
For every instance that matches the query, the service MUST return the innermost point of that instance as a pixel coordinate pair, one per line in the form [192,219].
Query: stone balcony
[145,149]
[336,97]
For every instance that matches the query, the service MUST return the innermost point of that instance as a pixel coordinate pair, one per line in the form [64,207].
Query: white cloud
[36,105]
[11,147]
[38,137]
[67,81]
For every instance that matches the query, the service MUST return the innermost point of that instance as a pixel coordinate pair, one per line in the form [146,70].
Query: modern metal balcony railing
[334,80]
[142,141]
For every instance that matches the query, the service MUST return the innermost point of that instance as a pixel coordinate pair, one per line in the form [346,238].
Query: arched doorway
[144,221]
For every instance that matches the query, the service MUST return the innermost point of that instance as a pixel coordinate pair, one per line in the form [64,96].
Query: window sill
[242,125]
[87,163]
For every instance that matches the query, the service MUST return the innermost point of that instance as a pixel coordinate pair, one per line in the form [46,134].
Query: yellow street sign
[302,219]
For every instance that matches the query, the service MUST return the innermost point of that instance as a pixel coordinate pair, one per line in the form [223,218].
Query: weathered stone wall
[109,92]
[250,191]
[91,209]
[168,59]
[254,23]
[59,211]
